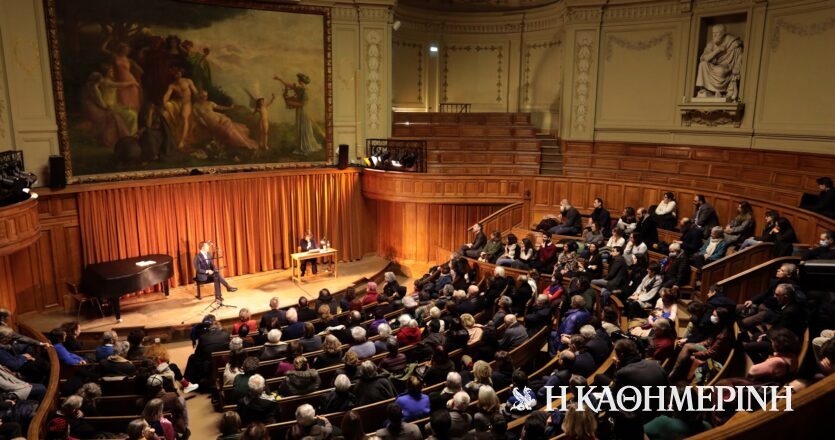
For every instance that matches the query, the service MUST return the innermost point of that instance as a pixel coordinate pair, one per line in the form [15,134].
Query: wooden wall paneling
[7,286]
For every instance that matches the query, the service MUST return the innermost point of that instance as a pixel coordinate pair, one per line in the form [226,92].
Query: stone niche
[715,97]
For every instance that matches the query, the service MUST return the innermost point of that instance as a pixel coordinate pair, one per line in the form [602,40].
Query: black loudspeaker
[57,172]
[343,157]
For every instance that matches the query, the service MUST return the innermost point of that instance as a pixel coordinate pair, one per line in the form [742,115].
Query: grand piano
[112,279]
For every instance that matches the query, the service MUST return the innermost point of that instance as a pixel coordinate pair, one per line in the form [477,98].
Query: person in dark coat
[704,215]
[571,221]
[675,269]
[617,277]
[273,318]
[539,315]
[440,366]
[117,364]
[473,249]
[595,345]
[633,370]
[372,387]
[691,237]
[515,334]
[340,398]
[257,406]
[646,227]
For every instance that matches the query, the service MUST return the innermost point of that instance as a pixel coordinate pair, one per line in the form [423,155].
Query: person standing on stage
[308,244]
[206,271]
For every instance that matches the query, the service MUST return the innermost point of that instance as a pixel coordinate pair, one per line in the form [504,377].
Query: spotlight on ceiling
[433,48]
[396,25]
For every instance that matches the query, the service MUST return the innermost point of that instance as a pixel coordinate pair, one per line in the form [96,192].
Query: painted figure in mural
[201,72]
[157,70]
[295,97]
[109,87]
[179,109]
[221,128]
[125,70]
[719,65]
[109,127]
[262,111]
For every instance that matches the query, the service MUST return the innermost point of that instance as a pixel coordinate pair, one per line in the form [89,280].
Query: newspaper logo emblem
[524,400]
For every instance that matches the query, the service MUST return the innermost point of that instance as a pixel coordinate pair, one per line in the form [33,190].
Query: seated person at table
[570,220]
[308,244]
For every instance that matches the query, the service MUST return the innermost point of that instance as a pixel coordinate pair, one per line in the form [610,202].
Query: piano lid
[126,268]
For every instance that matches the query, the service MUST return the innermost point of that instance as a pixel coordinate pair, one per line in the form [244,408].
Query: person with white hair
[361,346]
[514,335]
[309,425]
[458,415]
[675,269]
[713,248]
[409,303]
[384,330]
[104,350]
[295,328]
[117,364]
[391,286]
[273,348]
[257,406]
[409,334]
[373,387]
[339,399]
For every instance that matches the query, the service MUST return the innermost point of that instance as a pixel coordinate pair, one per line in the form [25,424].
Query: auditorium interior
[453,208]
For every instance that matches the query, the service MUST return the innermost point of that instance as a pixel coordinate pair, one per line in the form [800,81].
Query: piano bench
[200,283]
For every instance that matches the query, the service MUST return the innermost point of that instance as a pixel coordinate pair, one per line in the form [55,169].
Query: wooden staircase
[550,162]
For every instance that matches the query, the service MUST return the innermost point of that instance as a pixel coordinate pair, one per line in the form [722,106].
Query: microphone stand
[218,302]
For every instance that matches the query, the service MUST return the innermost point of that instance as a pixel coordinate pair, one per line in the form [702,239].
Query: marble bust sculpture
[719,65]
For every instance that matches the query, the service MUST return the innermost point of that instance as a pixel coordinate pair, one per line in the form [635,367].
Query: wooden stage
[182,309]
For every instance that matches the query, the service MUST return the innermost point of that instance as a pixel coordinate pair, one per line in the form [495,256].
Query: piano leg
[114,304]
[165,287]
